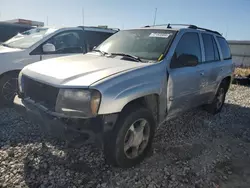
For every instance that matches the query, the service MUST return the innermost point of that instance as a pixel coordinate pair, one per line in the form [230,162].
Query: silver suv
[131,83]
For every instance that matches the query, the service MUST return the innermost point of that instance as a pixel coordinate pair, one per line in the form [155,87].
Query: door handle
[202,73]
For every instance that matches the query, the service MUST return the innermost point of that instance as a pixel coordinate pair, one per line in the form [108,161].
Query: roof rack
[107,28]
[190,26]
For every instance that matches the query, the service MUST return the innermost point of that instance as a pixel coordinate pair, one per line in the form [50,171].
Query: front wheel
[8,88]
[131,139]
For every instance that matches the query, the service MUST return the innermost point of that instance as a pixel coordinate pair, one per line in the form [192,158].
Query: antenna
[83,16]
[226,31]
[155,15]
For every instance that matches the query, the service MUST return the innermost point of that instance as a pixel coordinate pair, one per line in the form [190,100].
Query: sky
[230,17]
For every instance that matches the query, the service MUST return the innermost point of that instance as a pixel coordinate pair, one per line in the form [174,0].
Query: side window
[94,38]
[67,42]
[216,50]
[211,50]
[226,53]
[189,45]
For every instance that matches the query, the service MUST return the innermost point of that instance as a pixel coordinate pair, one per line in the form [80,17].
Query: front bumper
[93,127]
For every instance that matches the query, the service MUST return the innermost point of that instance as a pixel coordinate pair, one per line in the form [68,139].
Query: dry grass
[242,72]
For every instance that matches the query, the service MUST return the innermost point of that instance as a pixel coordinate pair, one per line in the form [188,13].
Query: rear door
[184,82]
[211,66]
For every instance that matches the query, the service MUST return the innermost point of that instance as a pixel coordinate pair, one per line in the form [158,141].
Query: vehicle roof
[16,25]
[88,28]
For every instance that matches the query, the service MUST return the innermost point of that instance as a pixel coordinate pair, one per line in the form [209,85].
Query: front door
[184,82]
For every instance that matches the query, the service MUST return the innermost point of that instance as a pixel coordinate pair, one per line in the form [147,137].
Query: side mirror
[49,48]
[187,60]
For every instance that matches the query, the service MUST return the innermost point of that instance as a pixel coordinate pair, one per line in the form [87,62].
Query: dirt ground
[194,150]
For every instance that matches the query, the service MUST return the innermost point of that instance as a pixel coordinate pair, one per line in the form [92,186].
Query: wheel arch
[10,72]
[227,81]
[150,101]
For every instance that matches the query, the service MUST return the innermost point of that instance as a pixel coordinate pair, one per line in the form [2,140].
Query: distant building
[240,52]
[26,22]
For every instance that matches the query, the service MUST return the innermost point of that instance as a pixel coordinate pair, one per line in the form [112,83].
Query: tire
[8,88]
[219,100]
[116,140]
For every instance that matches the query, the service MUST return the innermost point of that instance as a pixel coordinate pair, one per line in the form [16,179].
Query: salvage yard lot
[194,150]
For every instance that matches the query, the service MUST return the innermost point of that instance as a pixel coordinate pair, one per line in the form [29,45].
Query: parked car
[43,43]
[129,85]
[9,30]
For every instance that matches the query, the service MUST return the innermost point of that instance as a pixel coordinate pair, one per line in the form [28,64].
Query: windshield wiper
[102,52]
[129,56]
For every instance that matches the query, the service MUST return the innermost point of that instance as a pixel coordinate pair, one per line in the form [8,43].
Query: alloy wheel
[9,89]
[136,138]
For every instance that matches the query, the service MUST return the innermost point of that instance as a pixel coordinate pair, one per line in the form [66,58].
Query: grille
[40,93]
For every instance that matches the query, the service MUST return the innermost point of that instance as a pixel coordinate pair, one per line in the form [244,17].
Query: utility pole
[47,20]
[155,15]
[83,16]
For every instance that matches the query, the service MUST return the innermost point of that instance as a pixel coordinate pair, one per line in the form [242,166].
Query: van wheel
[131,139]
[8,88]
[219,100]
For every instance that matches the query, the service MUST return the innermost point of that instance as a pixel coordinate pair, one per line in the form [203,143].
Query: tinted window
[94,38]
[7,31]
[211,50]
[67,42]
[216,50]
[147,44]
[189,44]
[224,48]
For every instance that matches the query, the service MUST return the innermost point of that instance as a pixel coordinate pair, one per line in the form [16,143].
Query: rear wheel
[219,100]
[131,139]
[8,88]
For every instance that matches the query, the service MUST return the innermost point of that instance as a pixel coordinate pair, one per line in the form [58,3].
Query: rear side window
[211,50]
[189,44]
[94,38]
[224,48]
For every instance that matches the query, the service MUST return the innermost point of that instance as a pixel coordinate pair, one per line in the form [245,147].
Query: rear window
[7,31]
[211,50]
[95,38]
[224,48]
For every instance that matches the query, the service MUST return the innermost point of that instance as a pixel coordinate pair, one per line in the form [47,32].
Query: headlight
[78,102]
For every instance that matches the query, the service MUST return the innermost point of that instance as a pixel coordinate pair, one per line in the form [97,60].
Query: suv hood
[78,70]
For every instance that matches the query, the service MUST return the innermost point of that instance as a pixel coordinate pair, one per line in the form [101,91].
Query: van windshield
[28,38]
[147,44]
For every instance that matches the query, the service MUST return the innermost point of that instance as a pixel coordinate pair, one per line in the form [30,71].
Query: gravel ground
[194,150]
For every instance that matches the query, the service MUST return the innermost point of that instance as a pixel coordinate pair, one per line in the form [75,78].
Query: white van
[43,43]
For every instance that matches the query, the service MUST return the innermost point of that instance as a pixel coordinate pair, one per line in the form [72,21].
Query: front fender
[119,91]
[128,95]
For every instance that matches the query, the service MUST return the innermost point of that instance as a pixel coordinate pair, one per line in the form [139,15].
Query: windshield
[144,43]
[28,38]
